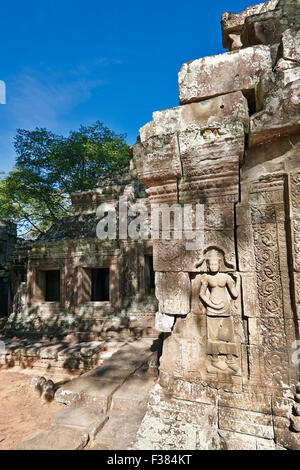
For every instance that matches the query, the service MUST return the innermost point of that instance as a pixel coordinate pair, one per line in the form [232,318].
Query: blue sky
[67,63]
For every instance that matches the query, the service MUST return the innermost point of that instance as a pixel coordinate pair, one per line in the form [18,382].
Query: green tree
[50,167]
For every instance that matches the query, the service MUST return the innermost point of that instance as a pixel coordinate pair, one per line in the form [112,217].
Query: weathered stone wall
[230,308]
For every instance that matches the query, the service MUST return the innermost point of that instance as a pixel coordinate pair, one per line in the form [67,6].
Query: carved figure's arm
[234,287]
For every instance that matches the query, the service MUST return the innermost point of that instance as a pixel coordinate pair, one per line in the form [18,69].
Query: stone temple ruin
[229,310]
[78,284]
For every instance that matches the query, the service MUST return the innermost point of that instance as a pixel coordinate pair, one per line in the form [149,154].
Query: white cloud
[36,99]
[44,101]
[90,66]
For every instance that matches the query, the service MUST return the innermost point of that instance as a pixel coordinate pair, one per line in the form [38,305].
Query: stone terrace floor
[102,390]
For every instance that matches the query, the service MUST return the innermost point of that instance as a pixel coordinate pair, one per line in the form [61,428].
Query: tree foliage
[50,167]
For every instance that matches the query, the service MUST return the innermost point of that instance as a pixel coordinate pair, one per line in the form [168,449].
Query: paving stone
[120,431]
[96,388]
[133,392]
[86,419]
[124,362]
[56,438]
[88,391]
[114,373]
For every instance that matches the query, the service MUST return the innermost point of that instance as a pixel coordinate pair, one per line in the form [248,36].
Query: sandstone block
[232,23]
[155,434]
[85,419]
[157,157]
[246,257]
[201,133]
[291,75]
[57,438]
[133,393]
[287,439]
[283,65]
[249,293]
[88,392]
[90,348]
[244,70]
[173,292]
[191,391]
[280,116]
[174,255]
[71,351]
[246,422]
[262,29]
[31,348]
[120,431]
[205,115]
[291,44]
[164,323]
[295,423]
[51,351]
[236,441]
[265,444]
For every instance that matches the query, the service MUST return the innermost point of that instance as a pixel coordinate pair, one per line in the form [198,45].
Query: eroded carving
[217,290]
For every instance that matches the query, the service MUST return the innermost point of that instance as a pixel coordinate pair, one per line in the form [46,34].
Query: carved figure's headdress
[214,253]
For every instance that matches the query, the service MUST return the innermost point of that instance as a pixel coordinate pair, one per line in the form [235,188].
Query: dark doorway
[149,275]
[100,285]
[52,291]
[3,296]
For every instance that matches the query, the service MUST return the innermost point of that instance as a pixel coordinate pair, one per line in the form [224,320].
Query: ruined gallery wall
[71,247]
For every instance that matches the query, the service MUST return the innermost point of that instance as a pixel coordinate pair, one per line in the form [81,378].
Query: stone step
[109,401]
[83,419]
[134,392]
[51,355]
[57,438]
[97,387]
[120,431]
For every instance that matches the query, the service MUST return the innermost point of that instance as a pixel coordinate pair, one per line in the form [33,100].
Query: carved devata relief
[218,290]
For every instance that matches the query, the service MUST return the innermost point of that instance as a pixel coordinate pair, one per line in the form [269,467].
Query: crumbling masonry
[229,371]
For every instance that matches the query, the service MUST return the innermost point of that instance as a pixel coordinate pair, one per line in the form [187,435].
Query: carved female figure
[217,289]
